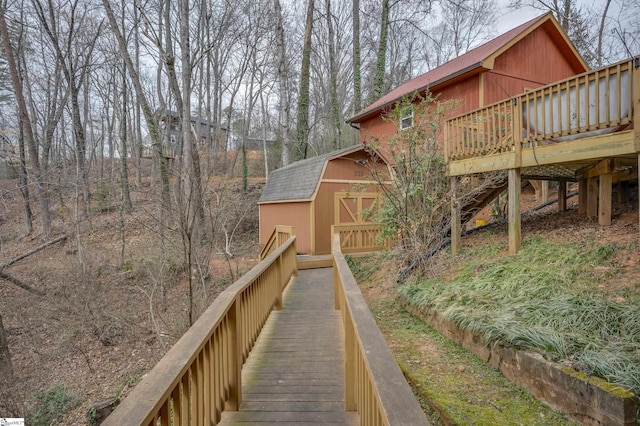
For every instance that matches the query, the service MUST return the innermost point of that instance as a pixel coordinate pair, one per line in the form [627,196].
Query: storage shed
[313,194]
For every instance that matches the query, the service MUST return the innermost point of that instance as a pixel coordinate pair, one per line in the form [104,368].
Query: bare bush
[416,208]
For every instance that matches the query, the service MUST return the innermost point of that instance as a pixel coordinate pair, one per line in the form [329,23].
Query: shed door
[354,207]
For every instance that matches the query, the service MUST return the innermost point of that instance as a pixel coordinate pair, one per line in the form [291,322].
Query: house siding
[378,130]
[534,61]
[539,58]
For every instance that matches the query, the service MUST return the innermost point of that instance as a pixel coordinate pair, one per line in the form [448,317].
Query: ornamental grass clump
[548,298]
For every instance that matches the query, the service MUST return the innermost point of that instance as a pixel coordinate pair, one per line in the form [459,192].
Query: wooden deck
[295,373]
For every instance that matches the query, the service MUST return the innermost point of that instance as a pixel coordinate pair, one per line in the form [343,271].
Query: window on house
[406,121]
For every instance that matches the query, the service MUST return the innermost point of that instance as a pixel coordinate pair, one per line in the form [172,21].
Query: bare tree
[25,124]
[381,59]
[357,76]
[302,130]
[150,118]
[333,72]
[76,60]
[283,84]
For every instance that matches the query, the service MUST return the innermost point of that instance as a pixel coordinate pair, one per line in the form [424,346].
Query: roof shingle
[299,180]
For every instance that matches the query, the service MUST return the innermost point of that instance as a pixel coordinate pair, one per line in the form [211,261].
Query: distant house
[531,55]
[208,134]
[258,143]
[172,129]
[313,194]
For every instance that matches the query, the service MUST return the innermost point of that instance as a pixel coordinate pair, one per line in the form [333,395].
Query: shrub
[50,406]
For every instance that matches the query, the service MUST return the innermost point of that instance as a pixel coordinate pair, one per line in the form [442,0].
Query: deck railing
[374,385]
[279,236]
[200,376]
[360,238]
[593,103]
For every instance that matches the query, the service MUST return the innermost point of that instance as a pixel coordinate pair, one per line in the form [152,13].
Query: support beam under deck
[456,221]
[515,188]
[562,195]
[592,197]
[604,199]
[582,196]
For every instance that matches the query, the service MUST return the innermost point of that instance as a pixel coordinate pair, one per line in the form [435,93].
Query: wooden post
[456,222]
[350,403]
[604,199]
[562,195]
[636,110]
[281,277]
[592,197]
[515,187]
[235,369]
[544,192]
[582,196]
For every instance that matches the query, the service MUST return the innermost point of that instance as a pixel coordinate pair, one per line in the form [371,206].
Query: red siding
[534,61]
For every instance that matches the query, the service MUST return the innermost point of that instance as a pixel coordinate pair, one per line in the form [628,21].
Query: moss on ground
[458,385]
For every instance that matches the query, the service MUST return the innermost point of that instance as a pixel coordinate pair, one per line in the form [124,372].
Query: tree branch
[20,284]
[30,252]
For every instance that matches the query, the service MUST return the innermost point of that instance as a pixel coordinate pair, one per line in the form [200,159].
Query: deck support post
[515,188]
[592,197]
[544,191]
[604,199]
[562,195]
[582,196]
[456,221]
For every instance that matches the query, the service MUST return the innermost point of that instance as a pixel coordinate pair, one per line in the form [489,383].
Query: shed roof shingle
[299,180]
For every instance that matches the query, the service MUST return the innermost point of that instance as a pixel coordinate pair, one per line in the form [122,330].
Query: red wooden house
[531,55]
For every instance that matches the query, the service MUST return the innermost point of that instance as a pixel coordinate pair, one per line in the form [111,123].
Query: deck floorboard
[295,372]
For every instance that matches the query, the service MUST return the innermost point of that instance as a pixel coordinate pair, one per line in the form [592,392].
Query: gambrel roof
[299,181]
[476,60]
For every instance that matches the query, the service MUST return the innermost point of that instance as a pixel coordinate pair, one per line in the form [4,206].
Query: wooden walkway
[295,372]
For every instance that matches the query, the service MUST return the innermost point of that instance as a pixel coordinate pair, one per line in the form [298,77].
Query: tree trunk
[124,171]
[335,107]
[24,188]
[378,80]
[25,125]
[302,131]
[283,111]
[6,369]
[599,54]
[357,76]
[152,122]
